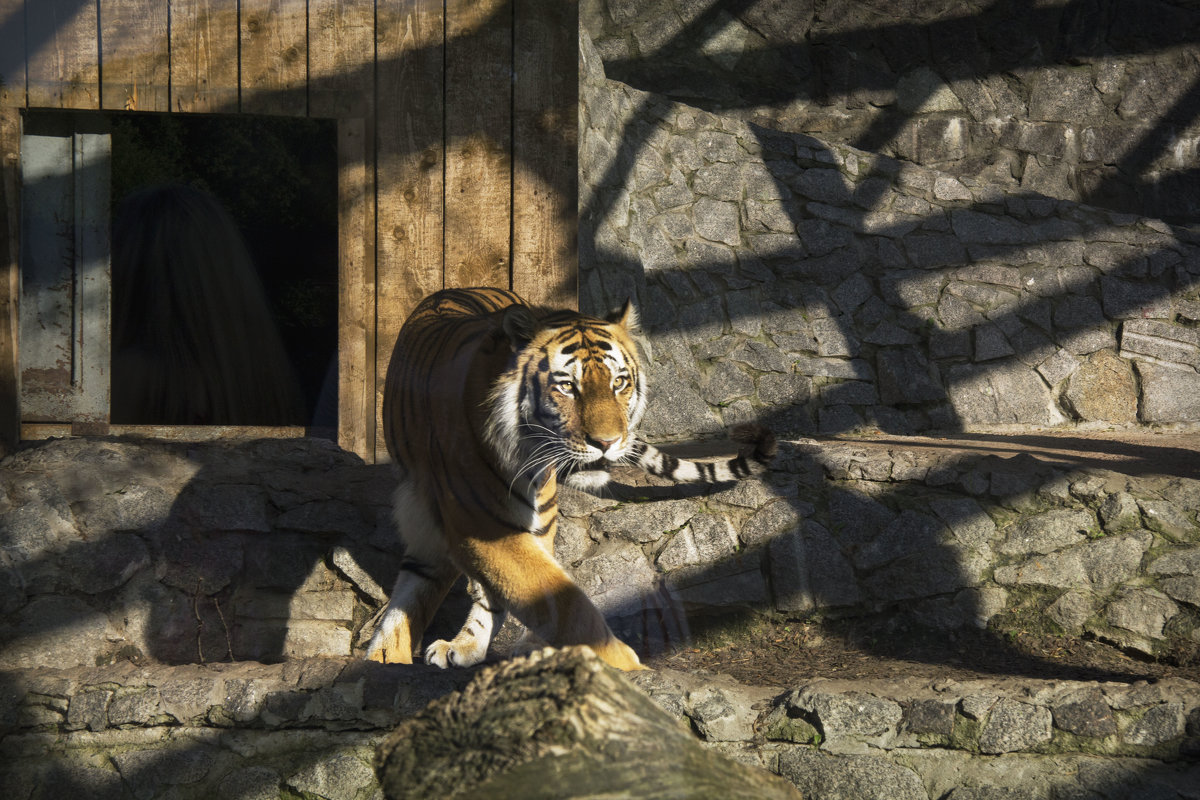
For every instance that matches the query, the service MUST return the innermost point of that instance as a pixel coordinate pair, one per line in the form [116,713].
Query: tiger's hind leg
[470,645]
[426,575]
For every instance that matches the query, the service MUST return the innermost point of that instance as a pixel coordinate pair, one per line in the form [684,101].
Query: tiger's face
[581,391]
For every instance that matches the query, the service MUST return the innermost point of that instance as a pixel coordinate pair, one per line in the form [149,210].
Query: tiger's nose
[602,444]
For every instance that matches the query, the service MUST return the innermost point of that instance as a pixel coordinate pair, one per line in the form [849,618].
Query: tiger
[488,403]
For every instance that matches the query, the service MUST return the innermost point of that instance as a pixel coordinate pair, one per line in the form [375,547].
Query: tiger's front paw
[617,654]
[392,642]
[456,653]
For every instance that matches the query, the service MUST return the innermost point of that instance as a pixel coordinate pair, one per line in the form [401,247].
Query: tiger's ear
[519,326]
[626,316]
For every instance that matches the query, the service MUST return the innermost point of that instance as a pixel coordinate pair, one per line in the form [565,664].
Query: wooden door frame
[356,311]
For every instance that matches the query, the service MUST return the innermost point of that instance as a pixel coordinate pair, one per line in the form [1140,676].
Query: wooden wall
[457,138]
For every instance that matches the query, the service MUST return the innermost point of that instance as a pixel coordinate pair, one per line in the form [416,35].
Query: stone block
[975,227]
[1120,512]
[342,777]
[735,582]
[1103,389]
[1058,367]
[1013,726]
[1084,713]
[1160,341]
[1071,611]
[1133,299]
[863,777]
[1160,724]
[849,714]
[1066,95]
[1047,532]
[906,376]
[1169,393]
[1004,392]
[1141,611]
[1168,518]
[231,507]
[617,578]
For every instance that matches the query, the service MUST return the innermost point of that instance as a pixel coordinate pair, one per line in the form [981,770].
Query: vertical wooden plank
[48,275]
[204,55]
[478,142]
[10,207]
[12,53]
[63,52]
[134,57]
[66,279]
[545,152]
[356,292]
[93,277]
[409,165]
[274,57]
[341,67]
[341,54]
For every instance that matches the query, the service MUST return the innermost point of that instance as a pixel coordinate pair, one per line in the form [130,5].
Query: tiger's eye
[565,387]
[620,383]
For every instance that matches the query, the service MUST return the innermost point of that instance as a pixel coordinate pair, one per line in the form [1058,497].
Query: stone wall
[309,728]
[1090,101]
[150,552]
[116,552]
[821,287]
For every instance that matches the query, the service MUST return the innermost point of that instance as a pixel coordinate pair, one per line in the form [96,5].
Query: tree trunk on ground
[559,725]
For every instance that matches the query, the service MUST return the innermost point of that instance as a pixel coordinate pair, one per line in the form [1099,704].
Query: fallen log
[559,725]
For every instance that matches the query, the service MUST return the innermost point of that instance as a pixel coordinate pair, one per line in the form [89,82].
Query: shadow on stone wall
[783,280]
[1003,89]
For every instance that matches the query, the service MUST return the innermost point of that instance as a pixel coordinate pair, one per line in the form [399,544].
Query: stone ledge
[322,693]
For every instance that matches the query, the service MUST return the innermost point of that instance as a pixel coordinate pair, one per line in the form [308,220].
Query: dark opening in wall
[223,257]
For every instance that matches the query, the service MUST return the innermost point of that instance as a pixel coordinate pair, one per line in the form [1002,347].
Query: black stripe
[415,567]
[669,465]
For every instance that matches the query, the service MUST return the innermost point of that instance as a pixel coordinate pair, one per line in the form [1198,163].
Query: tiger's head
[574,395]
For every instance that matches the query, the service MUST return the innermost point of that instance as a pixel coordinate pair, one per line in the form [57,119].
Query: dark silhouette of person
[194,341]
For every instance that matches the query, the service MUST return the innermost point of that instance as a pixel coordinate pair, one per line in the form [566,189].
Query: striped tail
[757,447]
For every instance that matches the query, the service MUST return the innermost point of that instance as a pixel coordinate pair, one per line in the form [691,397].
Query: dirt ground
[785,653]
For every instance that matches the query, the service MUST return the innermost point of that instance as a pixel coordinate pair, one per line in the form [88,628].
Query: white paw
[457,653]
[392,643]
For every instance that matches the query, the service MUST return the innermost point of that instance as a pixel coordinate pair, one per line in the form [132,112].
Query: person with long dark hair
[194,341]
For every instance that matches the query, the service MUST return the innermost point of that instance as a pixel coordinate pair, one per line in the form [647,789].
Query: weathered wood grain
[274,57]
[31,431]
[10,199]
[410,159]
[545,136]
[341,51]
[356,292]
[478,142]
[12,53]
[63,57]
[204,55]
[134,55]
[561,725]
